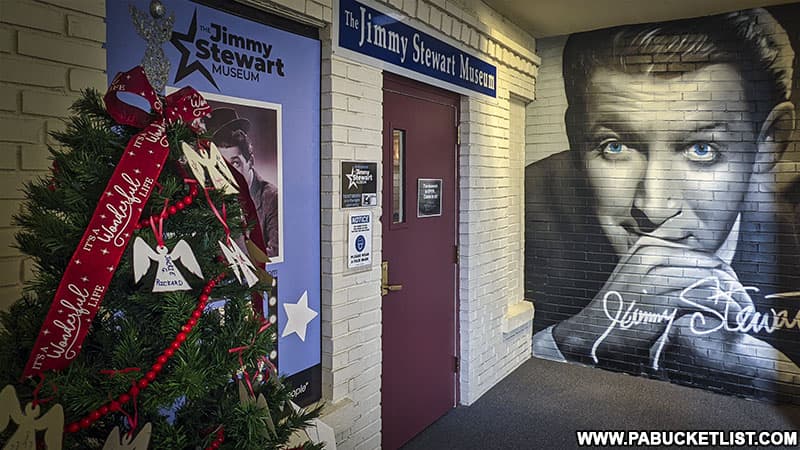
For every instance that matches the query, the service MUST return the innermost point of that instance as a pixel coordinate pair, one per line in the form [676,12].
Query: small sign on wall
[429,197]
[359,242]
[359,184]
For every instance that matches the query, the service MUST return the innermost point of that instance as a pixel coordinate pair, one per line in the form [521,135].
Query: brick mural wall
[661,236]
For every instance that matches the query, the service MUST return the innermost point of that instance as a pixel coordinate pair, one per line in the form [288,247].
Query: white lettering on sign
[359,242]
[730,314]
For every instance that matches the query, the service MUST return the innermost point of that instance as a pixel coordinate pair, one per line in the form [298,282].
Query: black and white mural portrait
[664,239]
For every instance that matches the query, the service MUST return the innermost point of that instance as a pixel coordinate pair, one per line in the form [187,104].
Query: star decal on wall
[299,315]
[185,70]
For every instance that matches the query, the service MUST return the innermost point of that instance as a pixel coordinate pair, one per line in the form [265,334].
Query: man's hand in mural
[654,286]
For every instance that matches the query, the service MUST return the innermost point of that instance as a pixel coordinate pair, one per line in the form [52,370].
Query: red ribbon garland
[95,260]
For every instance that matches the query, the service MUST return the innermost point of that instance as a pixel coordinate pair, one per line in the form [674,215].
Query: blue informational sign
[368,31]
[263,83]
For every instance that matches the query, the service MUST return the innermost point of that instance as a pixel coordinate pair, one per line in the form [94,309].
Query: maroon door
[419,246]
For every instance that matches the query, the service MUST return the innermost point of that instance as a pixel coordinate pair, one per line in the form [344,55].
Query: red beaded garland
[216,443]
[116,405]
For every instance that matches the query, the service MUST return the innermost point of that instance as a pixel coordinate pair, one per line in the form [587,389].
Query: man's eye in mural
[701,152]
[613,149]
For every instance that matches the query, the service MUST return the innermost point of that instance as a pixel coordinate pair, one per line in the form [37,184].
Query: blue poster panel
[264,86]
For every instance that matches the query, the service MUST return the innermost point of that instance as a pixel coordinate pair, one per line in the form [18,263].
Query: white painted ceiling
[543,18]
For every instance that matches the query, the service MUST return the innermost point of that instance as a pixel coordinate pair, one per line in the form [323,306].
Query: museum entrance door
[419,224]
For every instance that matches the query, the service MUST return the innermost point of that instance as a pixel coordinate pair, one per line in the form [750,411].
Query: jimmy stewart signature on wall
[729,313]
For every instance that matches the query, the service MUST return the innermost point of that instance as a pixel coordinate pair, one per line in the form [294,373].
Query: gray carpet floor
[543,403]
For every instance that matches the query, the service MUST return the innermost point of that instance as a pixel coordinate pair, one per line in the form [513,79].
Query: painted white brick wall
[49,51]
[352,126]
[490,236]
[546,131]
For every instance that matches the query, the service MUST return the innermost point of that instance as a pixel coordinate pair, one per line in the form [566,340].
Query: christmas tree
[195,373]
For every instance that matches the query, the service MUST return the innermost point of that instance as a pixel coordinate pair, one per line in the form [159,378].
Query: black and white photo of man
[232,135]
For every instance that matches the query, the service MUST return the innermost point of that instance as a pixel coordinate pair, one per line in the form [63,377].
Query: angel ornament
[168,277]
[117,441]
[211,160]
[241,265]
[29,422]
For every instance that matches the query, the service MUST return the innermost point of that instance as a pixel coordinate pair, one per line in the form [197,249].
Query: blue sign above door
[367,31]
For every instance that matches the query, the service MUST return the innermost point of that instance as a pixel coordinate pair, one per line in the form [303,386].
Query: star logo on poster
[299,315]
[184,68]
[357,176]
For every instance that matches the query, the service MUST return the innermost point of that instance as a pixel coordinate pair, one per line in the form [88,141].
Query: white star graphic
[137,171]
[109,194]
[102,216]
[85,279]
[45,332]
[61,311]
[77,261]
[150,152]
[299,315]
[132,154]
[351,177]
[104,251]
[110,268]
[127,235]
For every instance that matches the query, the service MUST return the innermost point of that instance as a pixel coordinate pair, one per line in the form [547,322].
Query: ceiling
[543,18]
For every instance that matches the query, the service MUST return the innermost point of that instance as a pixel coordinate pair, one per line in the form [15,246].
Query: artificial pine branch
[194,393]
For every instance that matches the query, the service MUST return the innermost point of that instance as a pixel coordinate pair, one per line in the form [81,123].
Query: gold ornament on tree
[115,441]
[29,423]
[261,402]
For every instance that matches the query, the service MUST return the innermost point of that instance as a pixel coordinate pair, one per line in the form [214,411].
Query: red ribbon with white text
[94,262]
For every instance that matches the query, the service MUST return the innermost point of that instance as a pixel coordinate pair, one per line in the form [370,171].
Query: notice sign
[359,184]
[429,197]
[359,243]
